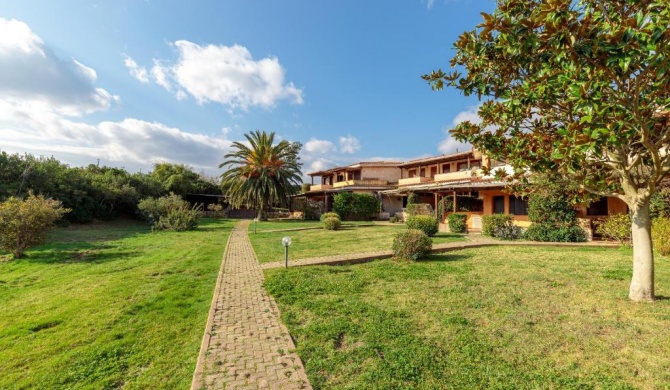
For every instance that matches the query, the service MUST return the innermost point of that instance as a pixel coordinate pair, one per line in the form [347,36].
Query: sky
[129,83]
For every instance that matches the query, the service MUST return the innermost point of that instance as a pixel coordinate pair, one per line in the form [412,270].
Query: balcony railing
[460,175]
[414,180]
[320,187]
[363,182]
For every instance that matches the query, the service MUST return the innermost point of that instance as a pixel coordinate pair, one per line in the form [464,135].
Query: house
[368,177]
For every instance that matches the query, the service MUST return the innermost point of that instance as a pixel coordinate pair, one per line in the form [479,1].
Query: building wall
[392,204]
[391,174]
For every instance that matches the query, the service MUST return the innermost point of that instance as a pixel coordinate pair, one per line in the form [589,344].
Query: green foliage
[615,227]
[551,207]
[216,209]
[457,223]
[412,198]
[508,232]
[181,179]
[412,244]
[332,223]
[660,233]
[425,223]
[394,219]
[261,173]
[169,213]
[419,209]
[492,222]
[549,233]
[25,223]
[355,206]
[659,204]
[329,214]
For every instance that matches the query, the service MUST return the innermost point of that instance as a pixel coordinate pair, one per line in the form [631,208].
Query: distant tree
[25,223]
[182,179]
[260,173]
[581,88]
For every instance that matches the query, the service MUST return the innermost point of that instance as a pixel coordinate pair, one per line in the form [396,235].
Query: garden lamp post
[255,221]
[286,241]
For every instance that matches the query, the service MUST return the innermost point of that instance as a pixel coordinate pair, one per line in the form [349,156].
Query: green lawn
[496,317]
[287,224]
[108,306]
[313,243]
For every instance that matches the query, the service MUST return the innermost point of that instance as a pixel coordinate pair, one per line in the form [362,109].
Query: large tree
[261,172]
[581,88]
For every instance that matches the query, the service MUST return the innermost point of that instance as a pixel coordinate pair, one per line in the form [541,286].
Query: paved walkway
[245,344]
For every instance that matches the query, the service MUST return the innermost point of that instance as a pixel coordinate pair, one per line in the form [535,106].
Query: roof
[444,157]
[450,185]
[356,166]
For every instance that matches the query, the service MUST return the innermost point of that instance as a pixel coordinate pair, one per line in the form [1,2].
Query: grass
[108,306]
[290,224]
[313,243]
[496,317]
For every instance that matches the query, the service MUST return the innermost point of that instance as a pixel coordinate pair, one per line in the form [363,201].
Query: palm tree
[260,173]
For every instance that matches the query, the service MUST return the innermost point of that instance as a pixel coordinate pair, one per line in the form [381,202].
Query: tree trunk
[642,284]
[262,215]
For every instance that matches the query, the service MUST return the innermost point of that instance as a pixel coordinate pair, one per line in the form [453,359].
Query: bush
[169,212]
[419,209]
[457,223]
[660,235]
[659,204]
[425,223]
[412,198]
[492,222]
[25,223]
[508,231]
[216,209]
[548,233]
[412,244]
[394,219]
[328,215]
[615,227]
[332,223]
[355,206]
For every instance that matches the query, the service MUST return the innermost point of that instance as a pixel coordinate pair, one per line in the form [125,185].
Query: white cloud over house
[227,75]
[349,144]
[449,144]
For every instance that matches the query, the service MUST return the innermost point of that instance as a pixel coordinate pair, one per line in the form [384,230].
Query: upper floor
[375,174]
[444,168]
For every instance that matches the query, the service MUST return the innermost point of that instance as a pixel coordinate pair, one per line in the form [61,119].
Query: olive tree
[25,223]
[577,87]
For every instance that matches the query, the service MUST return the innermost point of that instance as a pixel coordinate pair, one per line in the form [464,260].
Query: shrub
[412,198]
[25,223]
[492,222]
[355,206]
[457,223]
[615,227]
[332,223]
[328,215]
[508,231]
[394,219]
[660,235]
[659,204]
[412,244]
[548,233]
[425,223]
[169,212]
[216,209]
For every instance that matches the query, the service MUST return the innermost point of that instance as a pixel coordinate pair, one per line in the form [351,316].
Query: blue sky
[134,82]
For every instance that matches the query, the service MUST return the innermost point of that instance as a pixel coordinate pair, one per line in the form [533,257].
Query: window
[411,173]
[498,205]
[463,166]
[475,164]
[518,205]
[422,172]
[433,172]
[598,207]
[446,168]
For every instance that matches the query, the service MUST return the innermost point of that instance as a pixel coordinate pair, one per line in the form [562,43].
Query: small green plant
[412,244]
[615,227]
[508,232]
[425,223]
[660,235]
[169,212]
[332,223]
[457,223]
[25,223]
[329,215]
[395,219]
[494,221]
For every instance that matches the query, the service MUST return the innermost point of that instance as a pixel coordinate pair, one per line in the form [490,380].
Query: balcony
[320,187]
[362,183]
[414,180]
[460,175]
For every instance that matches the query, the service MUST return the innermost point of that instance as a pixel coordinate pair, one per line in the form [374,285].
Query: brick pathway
[245,345]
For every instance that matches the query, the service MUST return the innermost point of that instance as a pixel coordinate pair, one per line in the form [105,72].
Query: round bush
[457,223]
[425,223]
[329,215]
[412,244]
[332,223]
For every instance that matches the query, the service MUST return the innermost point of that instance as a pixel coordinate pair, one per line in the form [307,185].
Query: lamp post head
[286,241]
[256,219]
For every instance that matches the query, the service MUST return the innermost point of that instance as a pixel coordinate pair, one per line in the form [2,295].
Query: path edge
[195,382]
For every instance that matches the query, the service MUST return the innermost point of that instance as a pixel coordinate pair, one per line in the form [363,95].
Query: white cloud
[349,144]
[32,75]
[227,75]
[138,72]
[430,4]
[449,145]
[319,146]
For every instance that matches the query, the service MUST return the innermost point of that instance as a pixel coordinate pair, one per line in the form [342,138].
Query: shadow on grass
[78,253]
[662,298]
